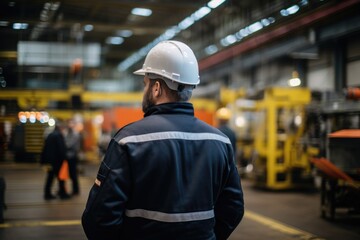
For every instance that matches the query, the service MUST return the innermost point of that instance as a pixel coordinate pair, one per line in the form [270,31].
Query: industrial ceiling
[84,21]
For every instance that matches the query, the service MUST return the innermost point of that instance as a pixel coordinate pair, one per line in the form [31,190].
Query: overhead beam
[256,41]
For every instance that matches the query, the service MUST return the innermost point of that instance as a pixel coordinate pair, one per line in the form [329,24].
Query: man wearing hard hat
[223,116]
[169,175]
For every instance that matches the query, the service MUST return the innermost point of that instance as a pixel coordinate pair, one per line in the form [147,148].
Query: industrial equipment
[334,127]
[244,124]
[282,161]
[270,129]
[340,185]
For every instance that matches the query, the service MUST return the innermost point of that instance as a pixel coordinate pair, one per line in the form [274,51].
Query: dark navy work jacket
[168,176]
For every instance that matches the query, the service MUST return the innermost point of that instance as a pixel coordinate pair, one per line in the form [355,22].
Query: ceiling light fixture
[186,23]
[170,33]
[18,26]
[88,27]
[202,12]
[197,15]
[145,12]
[114,40]
[295,80]
[215,3]
[255,27]
[290,10]
[211,49]
[228,40]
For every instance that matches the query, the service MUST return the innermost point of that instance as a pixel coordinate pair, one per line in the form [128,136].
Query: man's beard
[148,101]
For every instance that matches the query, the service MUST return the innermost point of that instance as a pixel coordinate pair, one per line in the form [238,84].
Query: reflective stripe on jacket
[167,176]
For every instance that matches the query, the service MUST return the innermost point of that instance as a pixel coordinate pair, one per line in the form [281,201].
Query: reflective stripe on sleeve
[173,135]
[170,217]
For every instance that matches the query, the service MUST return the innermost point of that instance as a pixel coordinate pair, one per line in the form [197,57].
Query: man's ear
[157,89]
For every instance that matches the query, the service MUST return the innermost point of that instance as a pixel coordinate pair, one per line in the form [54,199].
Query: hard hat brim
[140,72]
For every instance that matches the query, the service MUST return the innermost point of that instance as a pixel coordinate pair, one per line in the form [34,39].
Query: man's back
[169,175]
[177,168]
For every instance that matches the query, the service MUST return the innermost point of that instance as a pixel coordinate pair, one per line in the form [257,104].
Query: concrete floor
[269,215]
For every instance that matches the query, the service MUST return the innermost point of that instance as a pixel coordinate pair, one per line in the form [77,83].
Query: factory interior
[288,71]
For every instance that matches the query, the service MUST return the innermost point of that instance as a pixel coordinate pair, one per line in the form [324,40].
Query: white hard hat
[174,61]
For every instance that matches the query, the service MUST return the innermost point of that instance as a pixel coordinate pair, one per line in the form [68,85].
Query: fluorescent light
[211,49]
[228,40]
[265,22]
[202,12]
[88,27]
[293,9]
[255,27]
[170,33]
[20,26]
[244,32]
[289,11]
[304,2]
[145,12]
[215,3]
[187,22]
[271,19]
[115,40]
[284,12]
[231,39]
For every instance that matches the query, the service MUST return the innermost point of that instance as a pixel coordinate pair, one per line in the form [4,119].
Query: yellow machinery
[270,131]
[282,162]
[27,139]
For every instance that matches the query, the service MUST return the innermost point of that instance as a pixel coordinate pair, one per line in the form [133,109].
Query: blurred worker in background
[223,116]
[104,141]
[73,144]
[169,175]
[17,142]
[53,154]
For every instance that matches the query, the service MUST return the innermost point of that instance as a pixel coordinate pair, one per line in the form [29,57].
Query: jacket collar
[171,108]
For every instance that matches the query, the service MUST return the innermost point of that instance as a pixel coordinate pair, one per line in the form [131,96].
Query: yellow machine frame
[280,152]
[271,140]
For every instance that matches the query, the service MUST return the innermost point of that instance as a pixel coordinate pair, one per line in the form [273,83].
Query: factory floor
[285,215]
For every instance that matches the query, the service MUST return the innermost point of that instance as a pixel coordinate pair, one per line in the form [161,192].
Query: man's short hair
[180,95]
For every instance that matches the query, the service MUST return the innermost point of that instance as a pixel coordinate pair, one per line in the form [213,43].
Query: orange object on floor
[331,170]
[64,171]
